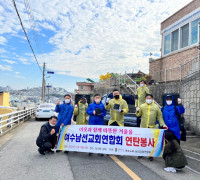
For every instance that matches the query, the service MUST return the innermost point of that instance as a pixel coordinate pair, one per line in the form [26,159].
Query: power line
[26,34]
[32,23]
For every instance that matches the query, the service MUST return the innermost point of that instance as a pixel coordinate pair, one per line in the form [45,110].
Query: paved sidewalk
[21,160]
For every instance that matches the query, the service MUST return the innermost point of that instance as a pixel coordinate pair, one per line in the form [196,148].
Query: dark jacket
[45,136]
[174,159]
[96,119]
[170,117]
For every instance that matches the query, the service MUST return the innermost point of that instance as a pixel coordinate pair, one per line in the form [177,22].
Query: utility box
[4,99]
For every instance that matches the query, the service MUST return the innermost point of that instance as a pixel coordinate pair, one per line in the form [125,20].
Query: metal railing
[124,79]
[6,107]
[178,73]
[10,120]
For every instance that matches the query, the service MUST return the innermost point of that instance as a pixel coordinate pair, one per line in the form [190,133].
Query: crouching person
[47,137]
[173,154]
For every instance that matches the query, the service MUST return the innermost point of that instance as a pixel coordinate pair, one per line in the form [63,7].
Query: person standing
[141,93]
[149,112]
[170,116]
[47,137]
[80,114]
[65,111]
[118,107]
[96,111]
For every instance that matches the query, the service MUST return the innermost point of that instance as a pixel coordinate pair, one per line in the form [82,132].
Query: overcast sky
[80,39]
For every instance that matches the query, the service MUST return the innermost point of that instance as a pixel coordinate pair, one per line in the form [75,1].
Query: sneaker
[41,151]
[90,154]
[178,169]
[150,158]
[66,152]
[140,157]
[170,169]
[50,151]
[57,151]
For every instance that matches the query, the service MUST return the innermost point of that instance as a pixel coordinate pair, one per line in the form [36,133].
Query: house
[84,88]
[137,75]
[179,46]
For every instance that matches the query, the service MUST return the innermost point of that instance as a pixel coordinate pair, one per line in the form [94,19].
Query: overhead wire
[32,24]
[26,34]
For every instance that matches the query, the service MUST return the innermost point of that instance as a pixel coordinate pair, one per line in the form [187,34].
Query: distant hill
[36,91]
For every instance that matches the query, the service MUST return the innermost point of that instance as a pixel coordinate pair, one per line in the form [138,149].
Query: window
[167,41]
[194,31]
[81,87]
[184,36]
[175,38]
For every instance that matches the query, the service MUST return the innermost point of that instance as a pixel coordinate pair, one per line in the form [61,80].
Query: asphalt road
[19,160]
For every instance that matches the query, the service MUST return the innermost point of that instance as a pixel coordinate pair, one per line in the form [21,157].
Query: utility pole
[48,92]
[199,52]
[43,84]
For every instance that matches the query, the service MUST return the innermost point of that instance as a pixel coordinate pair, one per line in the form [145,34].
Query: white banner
[112,140]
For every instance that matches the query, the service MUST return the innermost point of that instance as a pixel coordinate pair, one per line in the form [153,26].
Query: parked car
[45,111]
[130,118]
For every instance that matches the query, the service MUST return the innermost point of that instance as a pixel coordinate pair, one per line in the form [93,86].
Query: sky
[79,39]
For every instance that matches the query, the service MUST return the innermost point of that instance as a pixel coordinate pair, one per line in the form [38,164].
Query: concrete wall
[158,90]
[189,90]
[103,91]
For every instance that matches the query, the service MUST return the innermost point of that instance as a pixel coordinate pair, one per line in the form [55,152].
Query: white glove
[179,101]
[107,100]
[119,110]
[137,109]
[76,106]
[94,112]
[87,118]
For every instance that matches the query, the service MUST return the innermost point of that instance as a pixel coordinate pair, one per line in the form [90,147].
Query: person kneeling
[173,154]
[47,137]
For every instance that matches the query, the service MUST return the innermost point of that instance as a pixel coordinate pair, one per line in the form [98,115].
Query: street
[20,160]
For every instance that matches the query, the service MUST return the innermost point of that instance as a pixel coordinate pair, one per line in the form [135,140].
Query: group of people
[149,115]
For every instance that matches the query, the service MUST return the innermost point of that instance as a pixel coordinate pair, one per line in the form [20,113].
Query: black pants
[46,146]
[114,124]
[138,121]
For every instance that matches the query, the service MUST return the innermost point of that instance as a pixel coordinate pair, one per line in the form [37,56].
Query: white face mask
[52,125]
[169,102]
[141,85]
[97,101]
[149,101]
[67,101]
